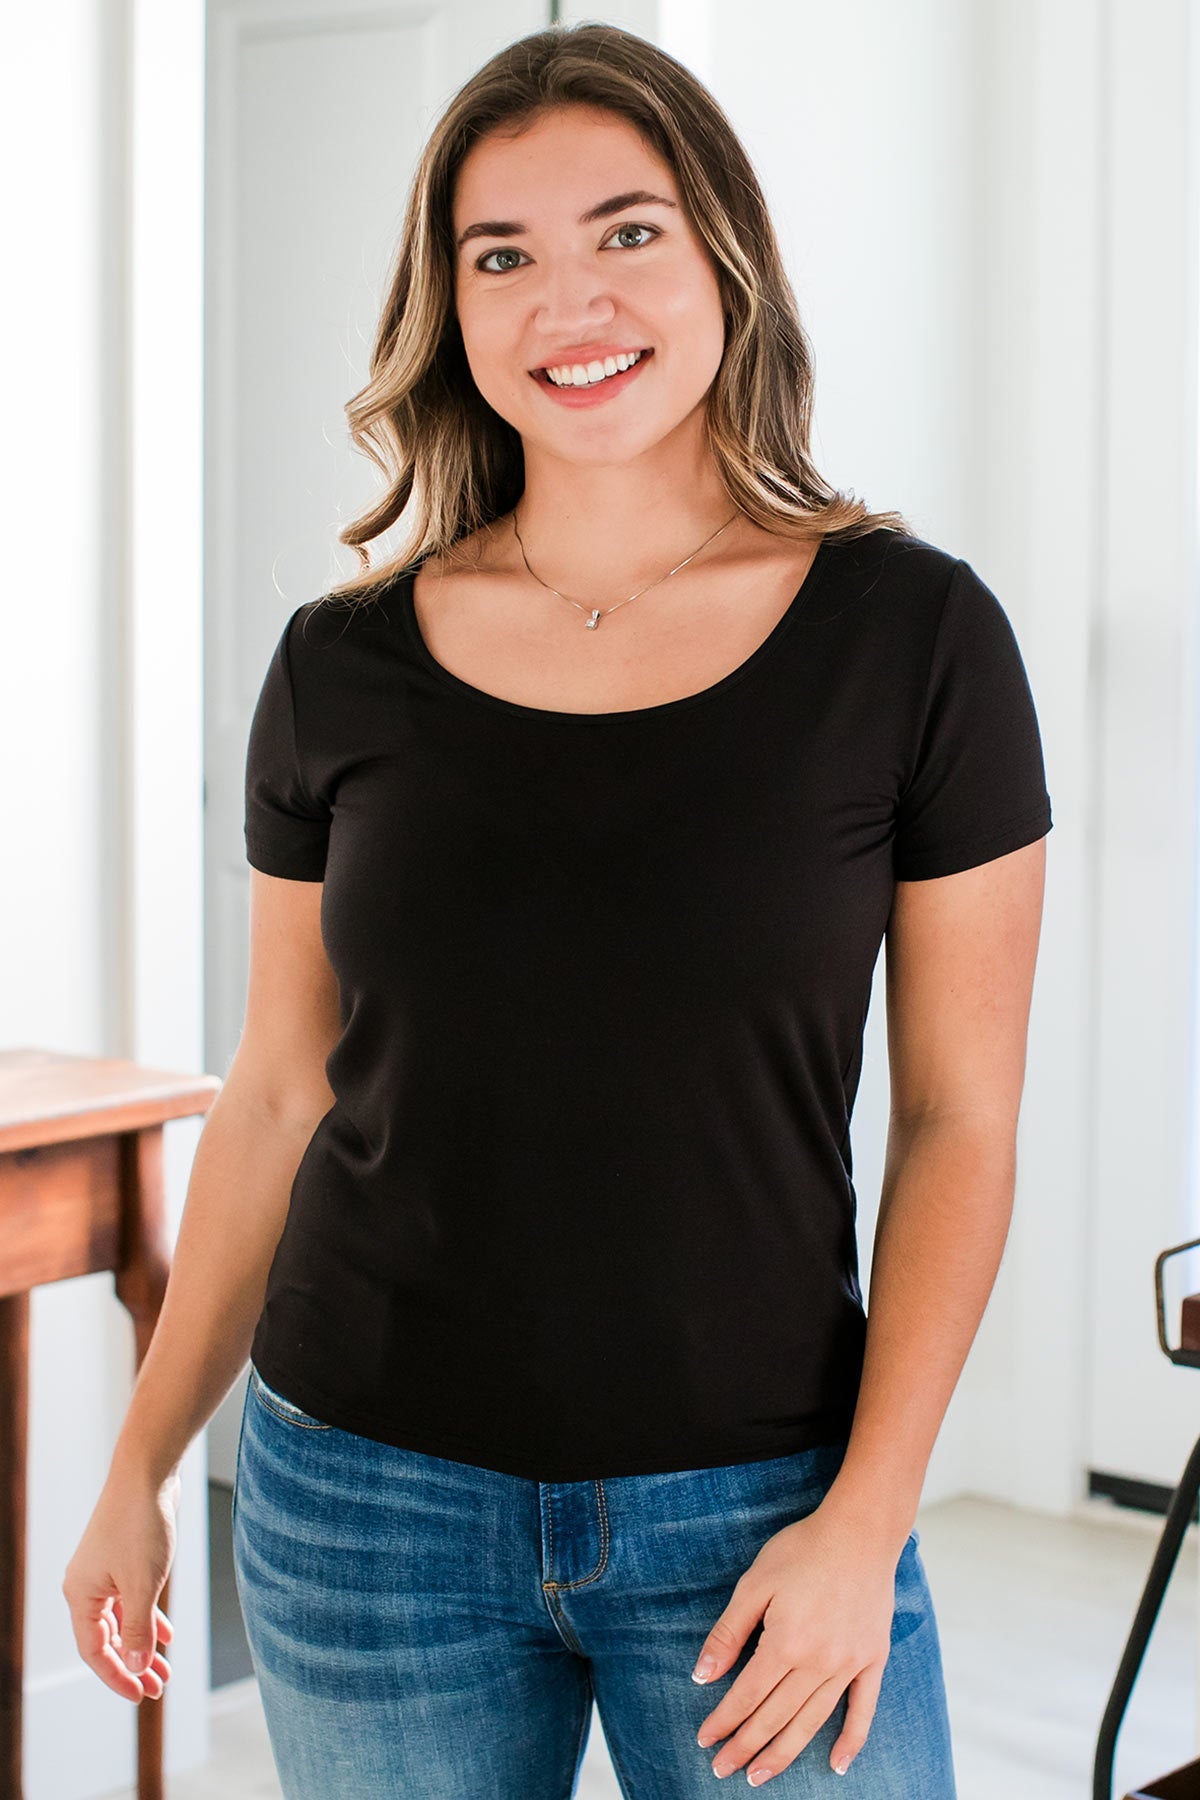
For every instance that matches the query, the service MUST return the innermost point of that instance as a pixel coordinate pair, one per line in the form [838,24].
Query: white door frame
[158,812]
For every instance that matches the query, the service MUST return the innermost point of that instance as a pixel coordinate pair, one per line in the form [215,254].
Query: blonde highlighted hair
[445,454]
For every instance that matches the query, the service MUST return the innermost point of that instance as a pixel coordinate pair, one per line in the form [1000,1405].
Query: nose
[573,301]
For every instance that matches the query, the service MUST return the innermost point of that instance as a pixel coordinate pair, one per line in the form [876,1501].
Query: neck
[609,528]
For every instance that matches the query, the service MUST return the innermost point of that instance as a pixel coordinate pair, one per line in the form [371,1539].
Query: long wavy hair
[454,462]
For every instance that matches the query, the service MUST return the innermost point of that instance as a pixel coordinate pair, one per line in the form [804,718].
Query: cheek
[687,308]
[693,335]
[488,343]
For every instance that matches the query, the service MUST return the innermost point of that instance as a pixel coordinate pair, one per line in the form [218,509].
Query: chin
[597,448]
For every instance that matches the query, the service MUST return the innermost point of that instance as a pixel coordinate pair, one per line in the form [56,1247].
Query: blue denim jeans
[430,1628]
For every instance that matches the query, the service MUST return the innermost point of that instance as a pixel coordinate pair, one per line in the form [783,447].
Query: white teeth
[586,375]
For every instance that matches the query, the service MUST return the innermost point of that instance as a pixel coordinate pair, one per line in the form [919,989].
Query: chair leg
[1179,1514]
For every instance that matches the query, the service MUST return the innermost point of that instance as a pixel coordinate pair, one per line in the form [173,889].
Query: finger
[158,1672]
[97,1632]
[860,1710]
[762,1678]
[163,1628]
[149,1685]
[94,1625]
[766,1720]
[107,1664]
[774,1755]
[136,1636]
[154,1679]
[727,1638]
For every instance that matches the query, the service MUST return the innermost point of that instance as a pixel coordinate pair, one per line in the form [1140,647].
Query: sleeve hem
[970,853]
[287,866]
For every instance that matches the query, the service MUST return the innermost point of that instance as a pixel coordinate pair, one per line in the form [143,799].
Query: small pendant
[594,620]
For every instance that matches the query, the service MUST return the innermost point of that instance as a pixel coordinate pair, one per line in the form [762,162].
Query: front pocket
[284,1408]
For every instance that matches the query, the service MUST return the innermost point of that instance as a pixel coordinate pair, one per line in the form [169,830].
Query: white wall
[100,736]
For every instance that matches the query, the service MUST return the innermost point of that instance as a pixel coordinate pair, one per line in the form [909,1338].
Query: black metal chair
[1181,1784]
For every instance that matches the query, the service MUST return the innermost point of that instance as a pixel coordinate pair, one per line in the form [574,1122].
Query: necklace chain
[595,614]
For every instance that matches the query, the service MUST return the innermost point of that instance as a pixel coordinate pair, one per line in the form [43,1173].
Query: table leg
[141,1282]
[14,1441]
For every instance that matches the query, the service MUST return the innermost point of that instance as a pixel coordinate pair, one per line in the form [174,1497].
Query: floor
[1033,1614]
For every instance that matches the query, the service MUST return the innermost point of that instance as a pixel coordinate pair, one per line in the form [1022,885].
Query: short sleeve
[286,825]
[977,788]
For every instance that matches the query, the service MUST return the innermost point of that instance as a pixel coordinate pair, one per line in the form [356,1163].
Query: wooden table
[81,1189]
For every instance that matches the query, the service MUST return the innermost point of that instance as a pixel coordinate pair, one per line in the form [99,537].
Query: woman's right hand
[113,1581]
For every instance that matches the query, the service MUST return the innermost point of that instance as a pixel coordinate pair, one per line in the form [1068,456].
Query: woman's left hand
[826,1603]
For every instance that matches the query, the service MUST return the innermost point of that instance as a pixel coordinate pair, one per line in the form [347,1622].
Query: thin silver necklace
[596,613]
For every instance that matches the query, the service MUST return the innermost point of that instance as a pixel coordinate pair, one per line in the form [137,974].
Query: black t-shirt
[583,1203]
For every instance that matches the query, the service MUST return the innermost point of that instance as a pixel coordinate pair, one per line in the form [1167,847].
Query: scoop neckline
[552,715]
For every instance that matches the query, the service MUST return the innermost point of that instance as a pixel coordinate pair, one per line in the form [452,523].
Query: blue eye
[628,226]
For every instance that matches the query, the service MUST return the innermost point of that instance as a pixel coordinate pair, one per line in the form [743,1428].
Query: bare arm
[961,952]
[253,1138]
[233,1217]
[255,1134]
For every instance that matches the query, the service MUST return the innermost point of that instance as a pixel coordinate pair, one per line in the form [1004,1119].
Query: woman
[575,829]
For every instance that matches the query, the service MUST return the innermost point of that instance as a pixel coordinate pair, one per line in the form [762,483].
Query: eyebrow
[618,203]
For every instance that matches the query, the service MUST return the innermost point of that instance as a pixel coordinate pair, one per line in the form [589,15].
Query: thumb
[726,1640]
[138,1640]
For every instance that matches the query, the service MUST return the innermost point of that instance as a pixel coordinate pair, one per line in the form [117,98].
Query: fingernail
[137,1660]
[757,1776]
[705,1669]
[840,1768]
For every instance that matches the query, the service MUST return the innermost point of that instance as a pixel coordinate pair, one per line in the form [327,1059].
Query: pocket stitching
[305,1422]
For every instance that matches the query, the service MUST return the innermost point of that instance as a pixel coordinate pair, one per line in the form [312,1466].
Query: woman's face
[539,284]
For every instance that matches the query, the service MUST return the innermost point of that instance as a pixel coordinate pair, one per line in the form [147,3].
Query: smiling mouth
[543,375]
